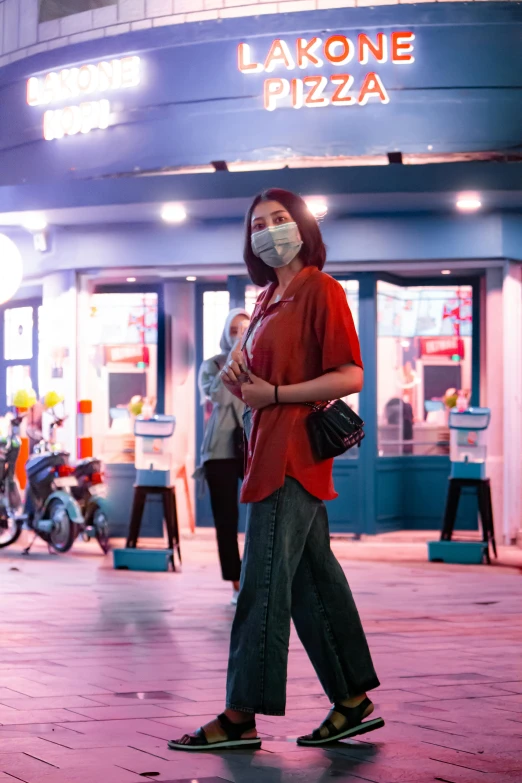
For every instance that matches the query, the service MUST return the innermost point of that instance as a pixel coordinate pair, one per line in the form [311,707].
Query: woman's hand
[257,393]
[234,372]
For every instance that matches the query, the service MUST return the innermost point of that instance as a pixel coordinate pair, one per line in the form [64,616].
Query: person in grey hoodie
[222,468]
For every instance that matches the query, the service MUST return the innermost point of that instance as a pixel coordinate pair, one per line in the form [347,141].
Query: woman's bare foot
[214,731]
[339,720]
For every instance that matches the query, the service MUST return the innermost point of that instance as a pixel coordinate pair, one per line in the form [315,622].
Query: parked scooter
[90,494]
[68,499]
[10,498]
[50,510]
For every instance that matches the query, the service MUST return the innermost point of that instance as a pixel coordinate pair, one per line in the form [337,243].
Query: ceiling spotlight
[34,222]
[317,206]
[131,280]
[468,202]
[191,278]
[446,272]
[174,213]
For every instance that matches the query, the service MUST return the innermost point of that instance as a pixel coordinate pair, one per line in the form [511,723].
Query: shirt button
[249,453]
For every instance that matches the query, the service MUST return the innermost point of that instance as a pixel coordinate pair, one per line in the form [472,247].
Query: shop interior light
[468,202]
[174,213]
[191,279]
[317,205]
[131,280]
[34,222]
[446,272]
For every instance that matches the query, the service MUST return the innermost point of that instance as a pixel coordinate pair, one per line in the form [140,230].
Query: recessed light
[317,205]
[34,222]
[468,202]
[174,213]
[191,279]
[445,272]
[131,280]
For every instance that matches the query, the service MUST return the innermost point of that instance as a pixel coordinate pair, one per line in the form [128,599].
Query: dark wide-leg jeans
[290,572]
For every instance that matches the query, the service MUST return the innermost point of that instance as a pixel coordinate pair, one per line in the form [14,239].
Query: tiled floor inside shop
[99,668]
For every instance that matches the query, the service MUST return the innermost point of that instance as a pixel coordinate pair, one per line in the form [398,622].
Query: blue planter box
[463,552]
[144,559]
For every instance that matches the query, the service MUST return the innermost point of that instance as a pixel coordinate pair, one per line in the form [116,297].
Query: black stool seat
[483,489]
[170,515]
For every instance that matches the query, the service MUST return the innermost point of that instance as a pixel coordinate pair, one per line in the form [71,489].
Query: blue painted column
[368,400]
[236,288]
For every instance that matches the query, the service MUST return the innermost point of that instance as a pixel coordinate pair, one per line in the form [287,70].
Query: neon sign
[82,82]
[316,91]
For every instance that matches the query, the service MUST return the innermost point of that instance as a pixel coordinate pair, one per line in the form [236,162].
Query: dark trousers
[223,479]
[290,572]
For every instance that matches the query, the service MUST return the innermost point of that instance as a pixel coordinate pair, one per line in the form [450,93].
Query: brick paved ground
[99,668]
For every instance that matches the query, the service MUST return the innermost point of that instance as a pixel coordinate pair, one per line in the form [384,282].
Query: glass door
[427,363]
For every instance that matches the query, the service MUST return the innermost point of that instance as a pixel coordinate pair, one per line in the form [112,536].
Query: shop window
[18,333]
[424,362]
[57,9]
[122,373]
[216,305]
[18,377]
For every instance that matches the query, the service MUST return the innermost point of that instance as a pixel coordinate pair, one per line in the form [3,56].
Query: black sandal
[353,725]
[234,732]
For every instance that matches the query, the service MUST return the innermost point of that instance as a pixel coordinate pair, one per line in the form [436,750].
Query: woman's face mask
[277,246]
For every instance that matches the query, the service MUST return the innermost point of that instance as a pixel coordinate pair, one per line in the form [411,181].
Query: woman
[301,347]
[221,464]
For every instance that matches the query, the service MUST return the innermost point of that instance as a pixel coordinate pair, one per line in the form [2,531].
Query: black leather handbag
[333,428]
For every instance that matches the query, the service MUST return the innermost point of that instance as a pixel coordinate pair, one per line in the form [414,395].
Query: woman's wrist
[276,395]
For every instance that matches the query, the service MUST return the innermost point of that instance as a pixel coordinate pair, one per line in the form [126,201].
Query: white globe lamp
[11,269]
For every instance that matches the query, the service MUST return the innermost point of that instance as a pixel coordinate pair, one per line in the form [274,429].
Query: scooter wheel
[101,527]
[10,528]
[63,532]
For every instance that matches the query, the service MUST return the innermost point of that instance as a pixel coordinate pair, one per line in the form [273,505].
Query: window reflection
[424,358]
[122,367]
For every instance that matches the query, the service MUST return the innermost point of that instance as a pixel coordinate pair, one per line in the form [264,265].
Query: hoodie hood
[226,344]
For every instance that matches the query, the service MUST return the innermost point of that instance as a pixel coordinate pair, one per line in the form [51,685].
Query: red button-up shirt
[309,332]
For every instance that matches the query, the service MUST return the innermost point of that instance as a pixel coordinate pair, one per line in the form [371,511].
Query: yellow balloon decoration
[51,399]
[24,398]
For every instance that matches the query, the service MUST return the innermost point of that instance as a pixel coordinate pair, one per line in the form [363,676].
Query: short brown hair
[313,252]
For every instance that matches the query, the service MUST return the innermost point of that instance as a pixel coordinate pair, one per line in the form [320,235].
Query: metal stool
[170,515]
[483,489]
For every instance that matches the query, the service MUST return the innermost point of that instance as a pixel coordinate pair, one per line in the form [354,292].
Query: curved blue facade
[194,106]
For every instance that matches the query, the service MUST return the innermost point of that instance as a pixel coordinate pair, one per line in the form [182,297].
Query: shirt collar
[298,281]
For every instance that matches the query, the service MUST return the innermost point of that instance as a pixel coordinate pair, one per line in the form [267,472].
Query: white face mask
[277,246]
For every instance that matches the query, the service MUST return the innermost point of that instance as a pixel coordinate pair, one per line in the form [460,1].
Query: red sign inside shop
[442,346]
[126,354]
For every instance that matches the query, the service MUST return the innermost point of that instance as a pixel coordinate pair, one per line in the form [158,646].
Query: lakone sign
[70,84]
[339,89]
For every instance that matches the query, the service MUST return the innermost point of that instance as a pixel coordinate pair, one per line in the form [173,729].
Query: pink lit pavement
[99,668]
